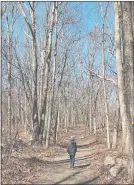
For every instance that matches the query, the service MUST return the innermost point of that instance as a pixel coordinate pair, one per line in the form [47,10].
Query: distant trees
[8,27]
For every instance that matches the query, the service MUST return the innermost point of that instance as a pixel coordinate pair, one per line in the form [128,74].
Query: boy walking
[71,150]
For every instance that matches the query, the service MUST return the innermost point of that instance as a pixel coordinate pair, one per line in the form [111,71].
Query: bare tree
[104,83]
[47,60]
[32,28]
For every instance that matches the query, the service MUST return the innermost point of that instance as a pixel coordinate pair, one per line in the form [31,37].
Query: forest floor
[38,165]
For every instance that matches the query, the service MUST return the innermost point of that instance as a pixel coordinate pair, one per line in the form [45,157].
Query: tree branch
[97,75]
[25,17]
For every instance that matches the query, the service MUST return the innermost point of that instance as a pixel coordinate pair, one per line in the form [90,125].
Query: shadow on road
[32,160]
[76,159]
[82,166]
[89,181]
[66,178]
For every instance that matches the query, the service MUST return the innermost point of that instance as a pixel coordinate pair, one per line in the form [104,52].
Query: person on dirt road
[71,150]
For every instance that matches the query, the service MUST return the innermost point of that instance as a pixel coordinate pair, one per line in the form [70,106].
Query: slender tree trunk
[44,74]
[132,10]
[49,123]
[19,105]
[26,116]
[104,89]
[95,104]
[94,125]
[9,64]
[74,121]
[34,65]
[46,120]
[65,120]
[58,123]
[90,123]
[54,70]
[44,105]
[9,103]
[116,125]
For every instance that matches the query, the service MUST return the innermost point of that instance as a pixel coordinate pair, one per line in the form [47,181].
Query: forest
[67,68]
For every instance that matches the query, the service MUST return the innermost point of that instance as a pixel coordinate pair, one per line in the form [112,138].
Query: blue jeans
[72,160]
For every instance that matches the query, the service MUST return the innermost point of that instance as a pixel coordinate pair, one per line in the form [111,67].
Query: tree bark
[35,101]
[56,125]
[116,124]
[54,70]
[121,90]
[9,72]
[128,45]
[32,28]
[47,60]
[104,89]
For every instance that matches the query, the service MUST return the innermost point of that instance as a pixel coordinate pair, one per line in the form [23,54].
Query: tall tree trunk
[56,125]
[44,75]
[49,122]
[95,105]
[104,89]
[47,60]
[44,104]
[54,67]
[132,10]
[121,90]
[116,124]
[26,116]
[46,120]
[9,64]
[94,124]
[34,65]
[32,28]
[128,45]
[90,122]
[65,118]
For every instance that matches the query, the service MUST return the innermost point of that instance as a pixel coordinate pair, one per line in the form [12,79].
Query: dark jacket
[72,147]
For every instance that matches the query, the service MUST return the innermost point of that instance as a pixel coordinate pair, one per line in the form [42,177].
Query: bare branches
[27,34]
[25,17]
[104,12]
[99,76]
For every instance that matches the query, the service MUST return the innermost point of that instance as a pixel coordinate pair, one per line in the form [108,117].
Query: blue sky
[87,11]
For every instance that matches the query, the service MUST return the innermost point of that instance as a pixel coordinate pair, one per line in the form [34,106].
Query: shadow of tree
[82,166]
[42,162]
[76,159]
[89,181]
[66,178]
